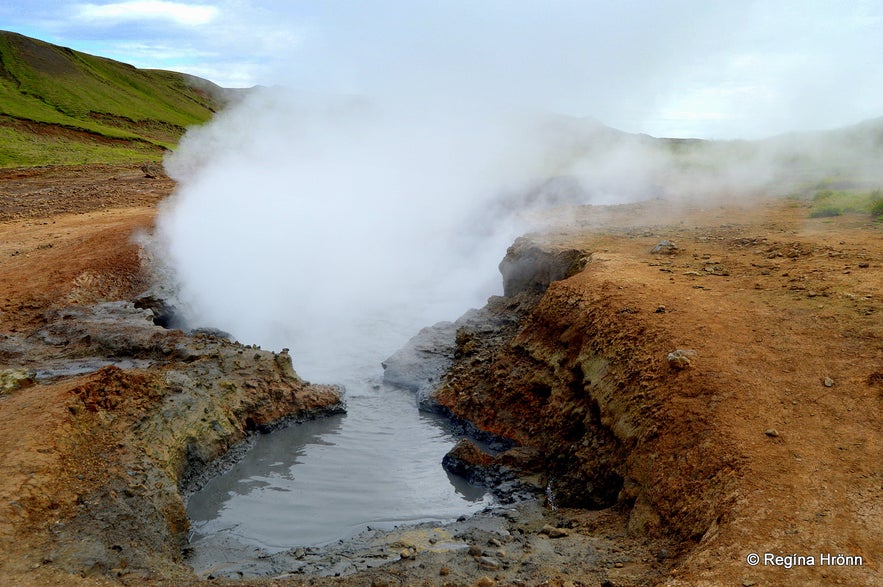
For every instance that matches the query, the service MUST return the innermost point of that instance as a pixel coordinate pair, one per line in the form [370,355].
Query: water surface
[377,466]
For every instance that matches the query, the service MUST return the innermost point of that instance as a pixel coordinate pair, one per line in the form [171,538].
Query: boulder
[532,266]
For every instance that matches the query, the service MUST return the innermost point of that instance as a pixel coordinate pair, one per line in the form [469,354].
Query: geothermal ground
[763,437]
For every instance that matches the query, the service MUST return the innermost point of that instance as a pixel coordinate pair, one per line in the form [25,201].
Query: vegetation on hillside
[60,106]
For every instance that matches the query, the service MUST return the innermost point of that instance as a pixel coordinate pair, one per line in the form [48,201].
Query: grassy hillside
[60,106]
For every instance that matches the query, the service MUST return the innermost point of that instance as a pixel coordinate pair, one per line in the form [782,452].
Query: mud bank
[578,381]
[127,443]
[523,544]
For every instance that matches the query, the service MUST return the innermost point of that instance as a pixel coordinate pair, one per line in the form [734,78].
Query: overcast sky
[705,68]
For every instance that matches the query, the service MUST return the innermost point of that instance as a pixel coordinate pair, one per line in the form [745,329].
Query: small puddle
[378,466]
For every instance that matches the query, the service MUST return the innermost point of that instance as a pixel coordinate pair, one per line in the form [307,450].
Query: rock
[771,432]
[489,563]
[13,379]
[660,310]
[406,554]
[681,359]
[829,382]
[716,270]
[153,170]
[495,542]
[553,532]
[485,582]
[475,465]
[475,550]
[530,266]
[665,247]
[421,363]
[107,329]
[444,572]
[165,314]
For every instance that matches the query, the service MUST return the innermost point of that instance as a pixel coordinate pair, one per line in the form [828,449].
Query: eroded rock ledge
[565,370]
[134,439]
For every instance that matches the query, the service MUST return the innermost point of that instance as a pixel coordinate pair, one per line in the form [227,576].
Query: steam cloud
[339,224]
[319,225]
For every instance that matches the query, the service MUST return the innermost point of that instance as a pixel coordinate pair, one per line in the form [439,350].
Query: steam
[338,227]
[333,225]
[339,222]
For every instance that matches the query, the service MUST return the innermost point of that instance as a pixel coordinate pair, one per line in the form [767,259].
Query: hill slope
[60,106]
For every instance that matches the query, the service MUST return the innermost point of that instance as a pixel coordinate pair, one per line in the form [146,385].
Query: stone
[531,267]
[829,382]
[406,554]
[716,270]
[681,359]
[665,247]
[771,432]
[488,563]
[153,170]
[559,533]
[421,364]
[13,379]
[444,572]
[553,532]
[424,359]
[475,550]
[469,461]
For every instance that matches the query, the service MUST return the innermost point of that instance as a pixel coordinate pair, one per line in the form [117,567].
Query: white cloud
[134,10]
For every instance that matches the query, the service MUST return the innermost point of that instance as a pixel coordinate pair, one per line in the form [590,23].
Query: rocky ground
[654,466]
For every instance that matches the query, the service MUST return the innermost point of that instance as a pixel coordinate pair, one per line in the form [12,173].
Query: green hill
[60,106]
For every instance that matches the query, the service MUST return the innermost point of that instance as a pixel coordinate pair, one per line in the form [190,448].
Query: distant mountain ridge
[61,106]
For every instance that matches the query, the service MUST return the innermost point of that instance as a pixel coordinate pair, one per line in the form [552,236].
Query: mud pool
[377,466]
